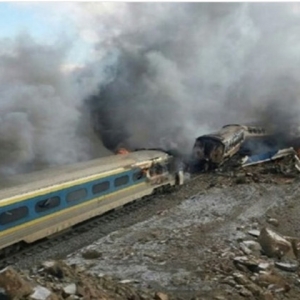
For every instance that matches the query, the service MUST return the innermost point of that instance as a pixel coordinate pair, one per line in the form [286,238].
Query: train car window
[76,195]
[121,180]
[46,204]
[159,169]
[137,175]
[100,187]
[13,215]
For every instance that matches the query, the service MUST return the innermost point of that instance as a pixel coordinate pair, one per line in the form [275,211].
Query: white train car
[36,205]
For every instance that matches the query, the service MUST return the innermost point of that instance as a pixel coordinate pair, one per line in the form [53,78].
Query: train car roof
[19,184]
[249,124]
[213,136]
[223,134]
[228,125]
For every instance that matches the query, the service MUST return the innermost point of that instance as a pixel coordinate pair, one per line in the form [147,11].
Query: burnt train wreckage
[38,205]
[212,150]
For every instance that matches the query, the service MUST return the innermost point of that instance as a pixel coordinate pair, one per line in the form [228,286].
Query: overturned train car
[211,150]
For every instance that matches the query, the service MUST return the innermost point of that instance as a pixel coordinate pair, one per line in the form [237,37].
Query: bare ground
[188,250]
[190,244]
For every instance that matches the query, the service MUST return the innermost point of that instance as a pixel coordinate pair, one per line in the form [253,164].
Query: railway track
[19,254]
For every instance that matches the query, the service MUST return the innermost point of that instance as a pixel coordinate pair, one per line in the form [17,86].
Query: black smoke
[166,73]
[186,69]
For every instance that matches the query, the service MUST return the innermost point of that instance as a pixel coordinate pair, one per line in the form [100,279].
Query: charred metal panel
[215,148]
[209,149]
[267,156]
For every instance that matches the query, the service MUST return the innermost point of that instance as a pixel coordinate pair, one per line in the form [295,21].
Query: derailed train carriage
[212,150]
[37,205]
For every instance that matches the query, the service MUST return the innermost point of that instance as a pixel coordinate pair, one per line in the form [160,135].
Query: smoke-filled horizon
[186,69]
[43,121]
[160,75]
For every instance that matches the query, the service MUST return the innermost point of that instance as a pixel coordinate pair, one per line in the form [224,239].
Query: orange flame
[122,151]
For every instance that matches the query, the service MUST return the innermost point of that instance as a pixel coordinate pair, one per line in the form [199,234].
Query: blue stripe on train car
[64,204]
[260,157]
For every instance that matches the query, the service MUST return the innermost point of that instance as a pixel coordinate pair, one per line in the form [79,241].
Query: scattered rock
[245,293]
[263,266]
[254,232]
[295,245]
[91,254]
[53,268]
[13,284]
[273,244]
[40,293]
[250,262]
[70,289]
[290,267]
[273,222]
[240,278]
[219,298]
[245,249]
[270,278]
[128,281]
[161,296]
[253,245]
[256,278]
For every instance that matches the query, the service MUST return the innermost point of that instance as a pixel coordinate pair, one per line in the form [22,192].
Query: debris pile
[273,155]
[263,266]
[242,146]
[55,280]
[281,169]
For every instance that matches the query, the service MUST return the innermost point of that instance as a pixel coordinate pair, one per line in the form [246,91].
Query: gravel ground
[170,251]
[183,243]
[139,214]
[178,249]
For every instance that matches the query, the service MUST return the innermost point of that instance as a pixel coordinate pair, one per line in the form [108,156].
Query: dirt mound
[55,280]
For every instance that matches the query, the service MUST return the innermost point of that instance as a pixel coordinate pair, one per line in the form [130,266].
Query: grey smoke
[167,73]
[186,69]
[41,108]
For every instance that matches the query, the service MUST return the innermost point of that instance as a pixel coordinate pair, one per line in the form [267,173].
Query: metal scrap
[268,156]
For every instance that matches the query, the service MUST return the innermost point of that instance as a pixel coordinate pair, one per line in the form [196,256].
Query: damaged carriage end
[212,150]
[164,168]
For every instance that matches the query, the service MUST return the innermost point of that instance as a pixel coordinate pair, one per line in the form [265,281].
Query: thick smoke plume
[186,69]
[42,119]
[161,75]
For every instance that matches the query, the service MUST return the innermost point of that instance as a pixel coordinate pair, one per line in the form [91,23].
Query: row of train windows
[18,213]
[256,130]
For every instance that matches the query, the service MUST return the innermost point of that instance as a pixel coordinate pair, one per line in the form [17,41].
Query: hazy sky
[153,70]
[46,23]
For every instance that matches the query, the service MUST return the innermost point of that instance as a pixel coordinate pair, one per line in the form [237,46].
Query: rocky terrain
[229,234]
